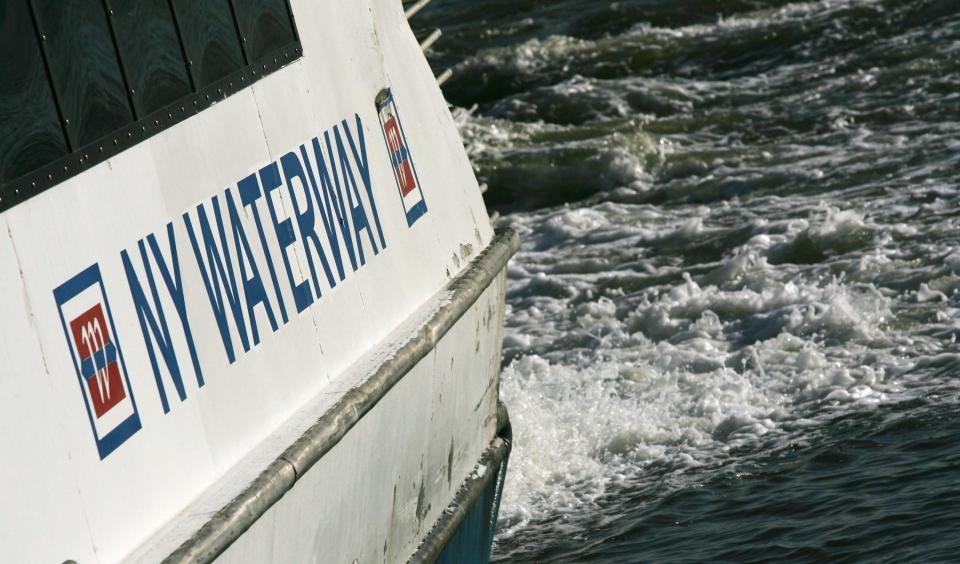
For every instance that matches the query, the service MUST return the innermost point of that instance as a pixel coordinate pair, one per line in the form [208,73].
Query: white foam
[609,381]
[630,361]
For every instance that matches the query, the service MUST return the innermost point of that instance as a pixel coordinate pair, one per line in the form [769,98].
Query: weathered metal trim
[466,499]
[504,427]
[463,503]
[228,524]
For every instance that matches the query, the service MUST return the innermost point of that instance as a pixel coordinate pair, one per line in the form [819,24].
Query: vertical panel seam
[42,39]
[108,12]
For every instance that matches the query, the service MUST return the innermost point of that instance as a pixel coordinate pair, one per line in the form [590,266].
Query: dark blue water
[731,330]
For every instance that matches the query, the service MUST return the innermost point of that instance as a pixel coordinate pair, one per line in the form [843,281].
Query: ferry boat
[252,299]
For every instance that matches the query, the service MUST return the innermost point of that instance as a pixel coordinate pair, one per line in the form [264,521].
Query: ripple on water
[731,329]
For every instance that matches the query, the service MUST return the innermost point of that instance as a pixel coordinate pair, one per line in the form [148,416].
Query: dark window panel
[210,36]
[151,53]
[265,26]
[30,131]
[86,72]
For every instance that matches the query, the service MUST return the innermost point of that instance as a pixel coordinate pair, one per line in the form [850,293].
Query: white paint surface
[69,503]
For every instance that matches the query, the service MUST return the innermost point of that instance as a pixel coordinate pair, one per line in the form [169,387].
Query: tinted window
[210,37]
[151,53]
[265,26]
[85,69]
[30,132]
[79,79]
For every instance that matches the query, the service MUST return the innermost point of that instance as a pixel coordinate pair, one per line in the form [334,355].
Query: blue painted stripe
[399,156]
[98,361]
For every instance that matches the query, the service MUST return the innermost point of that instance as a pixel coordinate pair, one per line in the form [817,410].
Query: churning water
[731,329]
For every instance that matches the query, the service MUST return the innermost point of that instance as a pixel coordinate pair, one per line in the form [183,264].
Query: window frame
[144,127]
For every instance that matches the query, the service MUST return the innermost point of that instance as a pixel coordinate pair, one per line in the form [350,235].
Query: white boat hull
[184,314]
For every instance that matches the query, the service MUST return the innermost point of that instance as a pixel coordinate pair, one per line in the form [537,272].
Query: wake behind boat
[254,303]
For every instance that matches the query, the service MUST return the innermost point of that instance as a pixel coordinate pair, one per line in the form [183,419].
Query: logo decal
[98,360]
[404,171]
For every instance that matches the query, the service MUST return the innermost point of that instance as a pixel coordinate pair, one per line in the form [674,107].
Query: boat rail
[431,39]
[479,483]
[230,522]
[415,7]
